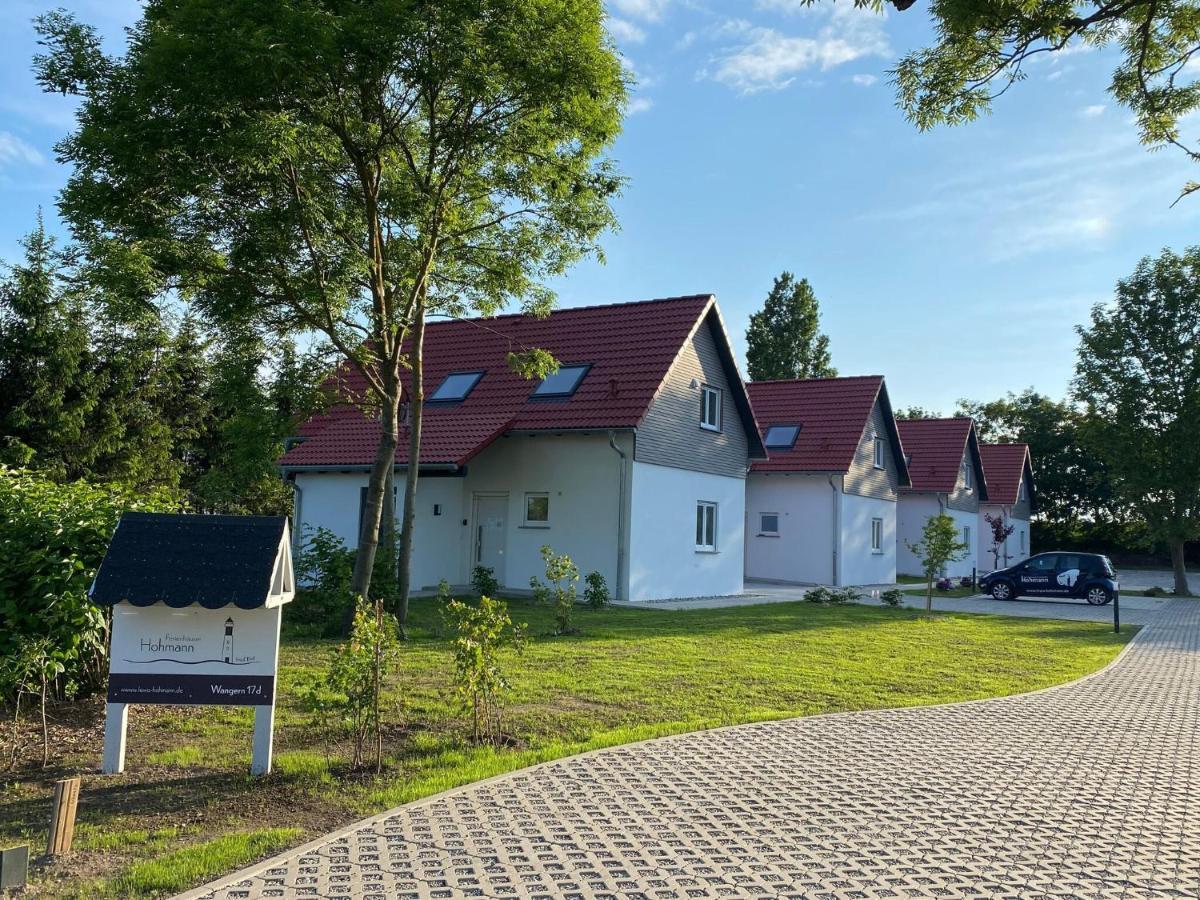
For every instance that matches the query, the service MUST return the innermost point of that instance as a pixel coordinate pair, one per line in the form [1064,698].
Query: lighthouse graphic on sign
[227,642]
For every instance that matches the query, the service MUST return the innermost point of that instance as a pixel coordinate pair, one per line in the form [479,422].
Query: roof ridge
[809,380]
[451,320]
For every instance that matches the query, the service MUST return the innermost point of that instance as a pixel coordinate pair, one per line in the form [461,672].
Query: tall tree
[916,412]
[345,166]
[983,47]
[1138,372]
[784,339]
[47,392]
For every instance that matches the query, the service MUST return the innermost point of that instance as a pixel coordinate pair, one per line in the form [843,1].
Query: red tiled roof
[630,347]
[1004,464]
[832,414]
[935,449]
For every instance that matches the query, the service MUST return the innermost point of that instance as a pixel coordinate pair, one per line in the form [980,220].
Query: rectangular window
[967,475]
[537,510]
[768,524]
[879,452]
[455,386]
[706,526]
[1021,494]
[710,408]
[781,437]
[967,538]
[1022,536]
[562,383]
[877,535]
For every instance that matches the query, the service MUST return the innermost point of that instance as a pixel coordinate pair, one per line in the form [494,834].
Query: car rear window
[1109,569]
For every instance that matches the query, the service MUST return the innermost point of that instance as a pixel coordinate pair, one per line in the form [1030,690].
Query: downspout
[612,442]
[837,530]
[297,500]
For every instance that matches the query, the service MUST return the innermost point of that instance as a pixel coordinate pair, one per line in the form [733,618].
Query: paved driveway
[1088,790]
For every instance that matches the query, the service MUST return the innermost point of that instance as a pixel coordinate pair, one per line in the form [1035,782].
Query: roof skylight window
[455,386]
[781,437]
[562,383]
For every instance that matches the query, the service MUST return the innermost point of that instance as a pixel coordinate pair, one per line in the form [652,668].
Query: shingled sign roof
[181,560]
[935,449]
[833,414]
[629,348]
[1004,465]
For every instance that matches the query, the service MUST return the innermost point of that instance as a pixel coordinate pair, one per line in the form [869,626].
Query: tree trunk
[378,675]
[16,738]
[929,593]
[416,402]
[45,730]
[385,460]
[1177,565]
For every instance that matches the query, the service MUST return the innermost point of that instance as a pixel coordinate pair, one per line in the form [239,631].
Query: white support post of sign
[264,731]
[116,723]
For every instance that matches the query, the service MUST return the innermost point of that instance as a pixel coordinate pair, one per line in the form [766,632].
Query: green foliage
[827,596]
[323,567]
[561,576]
[893,597]
[483,580]
[52,539]
[940,544]
[596,593]
[983,47]
[29,672]
[1138,373]
[784,339]
[356,678]
[916,412]
[477,635]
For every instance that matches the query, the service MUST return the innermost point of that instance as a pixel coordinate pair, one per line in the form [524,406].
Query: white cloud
[639,105]
[1091,112]
[14,149]
[689,38]
[625,31]
[864,80]
[646,10]
[767,59]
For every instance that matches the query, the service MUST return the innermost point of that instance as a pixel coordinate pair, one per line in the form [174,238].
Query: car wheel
[1098,596]
[1002,590]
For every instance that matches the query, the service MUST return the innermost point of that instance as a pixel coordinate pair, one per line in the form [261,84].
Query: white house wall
[1012,553]
[664,561]
[803,551]
[859,563]
[912,512]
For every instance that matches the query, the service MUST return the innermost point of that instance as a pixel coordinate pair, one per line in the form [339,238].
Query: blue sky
[763,136]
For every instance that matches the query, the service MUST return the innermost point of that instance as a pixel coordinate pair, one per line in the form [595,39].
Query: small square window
[562,383]
[537,510]
[781,437]
[768,524]
[437,509]
[879,452]
[710,408]
[877,535]
[455,386]
[706,526]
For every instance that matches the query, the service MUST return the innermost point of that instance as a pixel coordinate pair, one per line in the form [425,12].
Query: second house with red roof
[631,458]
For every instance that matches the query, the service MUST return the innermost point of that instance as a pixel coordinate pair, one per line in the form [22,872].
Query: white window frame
[762,529]
[877,535]
[967,475]
[702,526]
[878,450]
[1022,493]
[1021,532]
[527,522]
[966,535]
[707,391]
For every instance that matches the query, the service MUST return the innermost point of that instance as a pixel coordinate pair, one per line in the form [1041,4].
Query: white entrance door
[490,533]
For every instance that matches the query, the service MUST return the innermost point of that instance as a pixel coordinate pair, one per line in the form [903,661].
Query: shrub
[356,677]
[819,594]
[30,672]
[893,597]
[1155,591]
[944,584]
[596,592]
[561,573]
[483,579]
[478,634]
[324,568]
[846,595]
[52,539]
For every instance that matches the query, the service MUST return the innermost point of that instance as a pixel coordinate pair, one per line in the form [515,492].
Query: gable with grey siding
[964,498]
[863,478]
[670,433]
[1022,509]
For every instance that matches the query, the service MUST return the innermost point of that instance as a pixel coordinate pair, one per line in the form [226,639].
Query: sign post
[197,607]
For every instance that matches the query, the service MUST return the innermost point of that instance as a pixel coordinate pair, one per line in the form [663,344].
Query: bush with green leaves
[483,579]
[52,539]
[355,681]
[596,593]
[323,569]
[559,589]
[478,633]
[893,597]
[30,672]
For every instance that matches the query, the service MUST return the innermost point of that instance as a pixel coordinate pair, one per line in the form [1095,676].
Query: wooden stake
[62,820]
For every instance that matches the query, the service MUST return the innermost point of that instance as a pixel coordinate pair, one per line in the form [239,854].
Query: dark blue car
[1069,575]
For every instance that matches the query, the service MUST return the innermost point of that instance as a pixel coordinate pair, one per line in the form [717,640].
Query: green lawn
[186,810]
